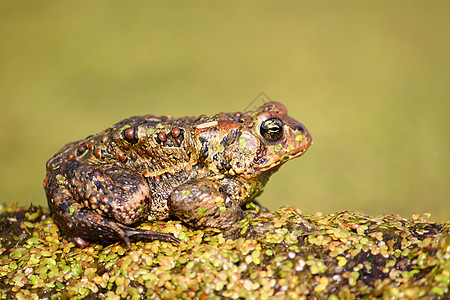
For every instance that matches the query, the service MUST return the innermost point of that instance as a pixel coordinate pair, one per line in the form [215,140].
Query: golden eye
[272,129]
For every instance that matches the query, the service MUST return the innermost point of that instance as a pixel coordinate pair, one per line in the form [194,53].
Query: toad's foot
[82,233]
[84,225]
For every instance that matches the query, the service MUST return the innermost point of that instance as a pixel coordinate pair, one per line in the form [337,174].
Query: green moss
[283,253]
[124,127]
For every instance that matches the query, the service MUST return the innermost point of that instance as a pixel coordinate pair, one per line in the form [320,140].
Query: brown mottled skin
[200,170]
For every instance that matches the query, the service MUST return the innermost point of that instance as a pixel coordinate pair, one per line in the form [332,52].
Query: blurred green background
[370,80]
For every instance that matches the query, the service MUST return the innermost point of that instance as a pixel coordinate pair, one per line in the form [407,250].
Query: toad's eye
[272,129]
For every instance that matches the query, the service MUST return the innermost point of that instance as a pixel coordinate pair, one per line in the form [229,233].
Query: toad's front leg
[202,203]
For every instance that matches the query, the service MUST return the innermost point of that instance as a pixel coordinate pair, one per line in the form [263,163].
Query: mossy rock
[283,254]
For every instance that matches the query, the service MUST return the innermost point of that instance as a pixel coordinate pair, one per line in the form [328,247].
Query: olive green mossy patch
[283,253]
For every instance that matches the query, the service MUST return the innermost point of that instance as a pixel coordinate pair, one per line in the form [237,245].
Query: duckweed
[284,254]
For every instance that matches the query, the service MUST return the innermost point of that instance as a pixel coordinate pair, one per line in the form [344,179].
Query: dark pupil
[272,129]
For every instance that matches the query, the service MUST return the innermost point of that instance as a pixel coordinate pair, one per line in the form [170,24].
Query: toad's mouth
[288,156]
[285,156]
[297,154]
[307,142]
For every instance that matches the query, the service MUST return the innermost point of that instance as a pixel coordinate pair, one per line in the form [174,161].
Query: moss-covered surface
[283,253]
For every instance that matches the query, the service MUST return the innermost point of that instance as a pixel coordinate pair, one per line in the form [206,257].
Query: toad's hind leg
[83,225]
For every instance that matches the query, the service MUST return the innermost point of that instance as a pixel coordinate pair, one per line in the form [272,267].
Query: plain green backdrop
[370,80]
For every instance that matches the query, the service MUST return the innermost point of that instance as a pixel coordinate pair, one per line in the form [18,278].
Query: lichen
[282,253]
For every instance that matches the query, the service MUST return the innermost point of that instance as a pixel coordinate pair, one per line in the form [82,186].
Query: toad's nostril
[299,127]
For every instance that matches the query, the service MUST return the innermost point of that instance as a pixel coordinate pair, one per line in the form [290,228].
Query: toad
[201,170]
